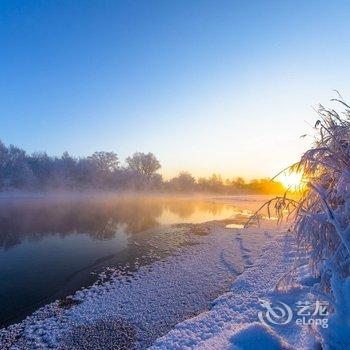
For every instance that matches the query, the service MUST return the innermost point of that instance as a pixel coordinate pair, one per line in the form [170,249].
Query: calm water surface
[50,246]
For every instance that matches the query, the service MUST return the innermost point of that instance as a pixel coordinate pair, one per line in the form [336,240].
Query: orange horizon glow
[291,181]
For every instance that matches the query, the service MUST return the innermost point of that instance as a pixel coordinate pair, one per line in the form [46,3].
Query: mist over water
[28,218]
[49,245]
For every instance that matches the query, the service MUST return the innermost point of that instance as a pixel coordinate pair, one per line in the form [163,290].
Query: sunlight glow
[290,181]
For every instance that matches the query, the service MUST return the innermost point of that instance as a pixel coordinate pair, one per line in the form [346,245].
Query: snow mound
[257,337]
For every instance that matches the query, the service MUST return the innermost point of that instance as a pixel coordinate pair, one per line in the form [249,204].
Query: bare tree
[105,161]
[145,164]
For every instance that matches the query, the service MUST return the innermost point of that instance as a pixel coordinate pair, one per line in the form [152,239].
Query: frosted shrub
[322,218]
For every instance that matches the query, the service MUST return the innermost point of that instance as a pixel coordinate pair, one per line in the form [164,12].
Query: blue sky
[224,86]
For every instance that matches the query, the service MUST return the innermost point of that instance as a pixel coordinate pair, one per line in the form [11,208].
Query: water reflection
[49,246]
[97,216]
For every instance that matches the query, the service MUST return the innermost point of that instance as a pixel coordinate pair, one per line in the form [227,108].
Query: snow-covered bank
[233,321]
[133,311]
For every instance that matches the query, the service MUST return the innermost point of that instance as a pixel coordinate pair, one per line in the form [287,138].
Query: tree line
[103,171]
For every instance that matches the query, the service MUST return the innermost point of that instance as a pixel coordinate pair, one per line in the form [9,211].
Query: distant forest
[103,171]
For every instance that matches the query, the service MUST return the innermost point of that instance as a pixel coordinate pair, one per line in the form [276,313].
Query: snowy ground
[233,322]
[231,266]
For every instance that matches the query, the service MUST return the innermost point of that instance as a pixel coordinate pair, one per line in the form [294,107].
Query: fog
[28,216]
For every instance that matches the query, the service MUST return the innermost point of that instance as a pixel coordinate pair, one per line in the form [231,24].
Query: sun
[290,181]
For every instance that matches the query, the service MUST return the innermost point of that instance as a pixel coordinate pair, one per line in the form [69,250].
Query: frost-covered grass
[322,220]
[321,217]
